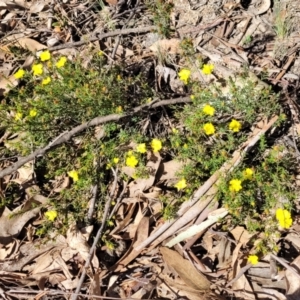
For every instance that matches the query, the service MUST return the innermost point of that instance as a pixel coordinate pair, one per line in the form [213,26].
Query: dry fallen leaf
[11,223]
[141,235]
[166,46]
[170,76]
[9,250]
[169,169]
[293,282]
[112,2]
[142,184]
[294,239]
[19,4]
[241,235]
[263,7]
[241,286]
[7,83]
[77,241]
[30,44]
[185,269]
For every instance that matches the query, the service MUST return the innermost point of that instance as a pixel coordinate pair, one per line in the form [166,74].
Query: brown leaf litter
[229,34]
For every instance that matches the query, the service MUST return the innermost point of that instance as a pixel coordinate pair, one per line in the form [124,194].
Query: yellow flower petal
[119,109]
[156,145]
[131,161]
[235,185]
[32,113]
[61,62]
[253,259]
[207,69]
[181,184]
[74,175]
[141,148]
[235,126]
[284,218]
[19,74]
[51,215]
[209,128]
[248,173]
[175,130]
[37,69]
[18,116]
[184,75]
[208,110]
[46,80]
[45,55]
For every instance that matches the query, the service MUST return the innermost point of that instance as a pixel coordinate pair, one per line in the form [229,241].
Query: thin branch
[97,238]
[287,266]
[92,202]
[98,37]
[66,136]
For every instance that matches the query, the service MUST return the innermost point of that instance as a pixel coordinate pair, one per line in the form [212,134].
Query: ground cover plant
[120,164]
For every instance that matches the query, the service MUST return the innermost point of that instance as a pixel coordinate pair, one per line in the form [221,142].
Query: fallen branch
[98,37]
[66,136]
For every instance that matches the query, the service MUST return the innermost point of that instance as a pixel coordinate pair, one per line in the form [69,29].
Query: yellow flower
[185,146]
[45,55]
[253,259]
[156,145]
[184,75]
[174,130]
[235,185]
[116,160]
[74,175]
[100,53]
[18,116]
[61,62]
[208,110]
[284,218]
[119,77]
[131,161]
[46,80]
[119,109]
[32,113]
[192,97]
[181,184]
[248,173]
[19,74]
[110,245]
[51,215]
[37,69]
[235,126]
[141,148]
[207,69]
[209,128]
[110,223]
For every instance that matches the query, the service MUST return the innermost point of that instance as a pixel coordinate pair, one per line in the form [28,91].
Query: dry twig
[66,136]
[102,36]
